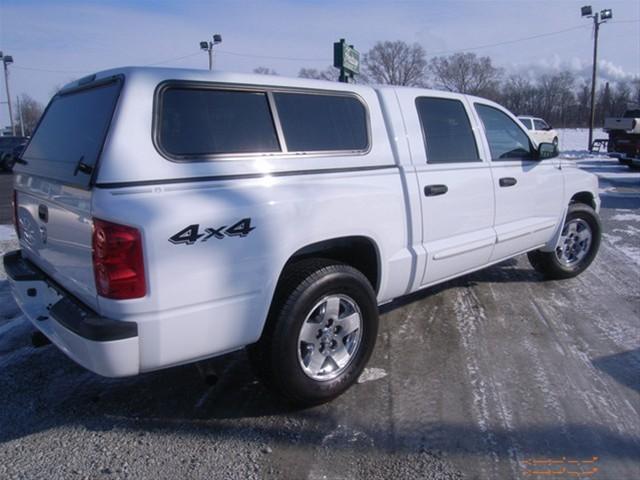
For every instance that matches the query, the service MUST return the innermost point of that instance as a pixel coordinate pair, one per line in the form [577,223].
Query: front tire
[577,246]
[320,333]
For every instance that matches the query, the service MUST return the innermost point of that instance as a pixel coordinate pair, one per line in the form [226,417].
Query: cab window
[507,140]
[448,136]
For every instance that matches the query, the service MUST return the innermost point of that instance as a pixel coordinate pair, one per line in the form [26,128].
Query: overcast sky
[53,42]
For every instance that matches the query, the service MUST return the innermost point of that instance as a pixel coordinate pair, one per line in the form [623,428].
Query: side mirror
[549,127]
[547,150]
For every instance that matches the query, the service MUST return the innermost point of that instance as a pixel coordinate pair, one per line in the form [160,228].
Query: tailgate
[619,123]
[55,232]
[54,180]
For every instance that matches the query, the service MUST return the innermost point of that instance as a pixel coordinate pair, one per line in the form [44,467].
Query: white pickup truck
[166,216]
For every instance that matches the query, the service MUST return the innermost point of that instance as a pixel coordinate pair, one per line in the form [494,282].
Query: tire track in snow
[469,312]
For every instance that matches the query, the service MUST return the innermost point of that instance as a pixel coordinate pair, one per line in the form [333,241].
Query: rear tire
[320,332]
[577,245]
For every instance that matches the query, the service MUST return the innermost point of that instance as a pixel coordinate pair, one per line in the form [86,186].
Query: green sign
[351,59]
[345,57]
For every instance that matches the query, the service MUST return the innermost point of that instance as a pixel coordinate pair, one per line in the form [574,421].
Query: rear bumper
[624,158]
[105,346]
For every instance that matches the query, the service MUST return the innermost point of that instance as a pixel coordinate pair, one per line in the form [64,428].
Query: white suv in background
[540,130]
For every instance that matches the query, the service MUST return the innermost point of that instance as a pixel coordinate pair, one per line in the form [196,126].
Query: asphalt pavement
[495,375]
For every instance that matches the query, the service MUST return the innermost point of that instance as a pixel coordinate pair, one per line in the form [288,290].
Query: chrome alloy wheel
[574,242]
[329,337]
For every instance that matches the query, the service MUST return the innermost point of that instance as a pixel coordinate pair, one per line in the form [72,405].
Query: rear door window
[72,132]
[197,122]
[322,122]
[527,123]
[448,136]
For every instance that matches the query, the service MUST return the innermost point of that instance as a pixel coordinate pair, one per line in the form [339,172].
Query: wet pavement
[491,376]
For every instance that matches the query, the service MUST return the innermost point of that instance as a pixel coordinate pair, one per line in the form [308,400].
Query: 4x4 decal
[191,234]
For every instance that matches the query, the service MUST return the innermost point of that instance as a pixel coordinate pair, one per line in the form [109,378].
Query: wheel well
[359,252]
[584,197]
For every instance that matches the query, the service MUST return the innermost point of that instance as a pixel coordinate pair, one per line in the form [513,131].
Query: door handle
[43,213]
[433,190]
[508,182]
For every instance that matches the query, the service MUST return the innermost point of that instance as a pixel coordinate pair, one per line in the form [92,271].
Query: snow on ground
[573,141]
[10,316]
[8,242]
[626,216]
[7,232]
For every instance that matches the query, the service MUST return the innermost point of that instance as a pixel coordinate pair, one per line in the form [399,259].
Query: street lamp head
[7,59]
[204,45]
[586,11]
[217,38]
[606,14]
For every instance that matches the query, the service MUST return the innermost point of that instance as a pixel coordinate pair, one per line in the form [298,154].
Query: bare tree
[556,97]
[396,63]
[30,112]
[264,71]
[518,94]
[621,98]
[465,73]
[635,97]
[329,73]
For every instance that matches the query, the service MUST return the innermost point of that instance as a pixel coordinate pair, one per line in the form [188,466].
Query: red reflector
[118,264]
[16,224]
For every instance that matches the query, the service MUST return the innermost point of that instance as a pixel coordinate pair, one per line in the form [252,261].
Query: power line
[625,21]
[171,59]
[34,69]
[508,42]
[269,57]
[319,59]
[83,72]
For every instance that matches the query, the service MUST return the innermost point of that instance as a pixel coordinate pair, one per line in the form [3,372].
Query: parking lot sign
[347,59]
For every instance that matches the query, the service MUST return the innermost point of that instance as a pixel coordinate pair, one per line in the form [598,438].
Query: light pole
[605,15]
[7,60]
[20,116]
[208,47]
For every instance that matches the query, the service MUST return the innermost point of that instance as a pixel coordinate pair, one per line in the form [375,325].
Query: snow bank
[7,232]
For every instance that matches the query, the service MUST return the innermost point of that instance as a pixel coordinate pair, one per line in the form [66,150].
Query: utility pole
[207,46]
[20,116]
[604,15]
[6,60]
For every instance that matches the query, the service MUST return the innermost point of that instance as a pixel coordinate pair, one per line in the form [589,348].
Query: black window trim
[269,90]
[78,87]
[484,131]
[479,158]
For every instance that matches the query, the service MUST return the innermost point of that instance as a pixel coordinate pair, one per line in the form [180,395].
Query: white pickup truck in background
[167,216]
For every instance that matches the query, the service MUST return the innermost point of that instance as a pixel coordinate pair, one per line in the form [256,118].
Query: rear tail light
[118,264]
[16,223]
